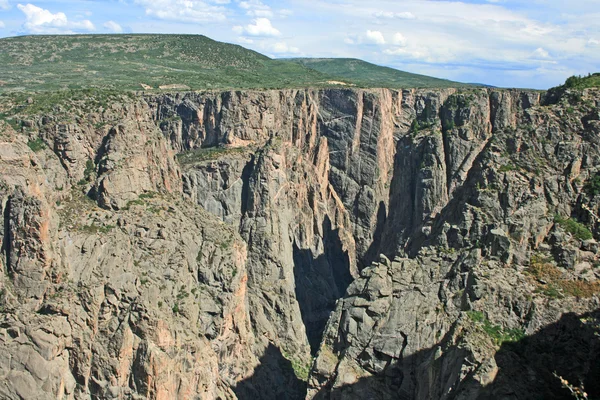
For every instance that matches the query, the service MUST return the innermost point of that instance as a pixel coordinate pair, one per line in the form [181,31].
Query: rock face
[238,245]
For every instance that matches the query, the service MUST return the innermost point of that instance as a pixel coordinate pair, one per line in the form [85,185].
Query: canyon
[301,243]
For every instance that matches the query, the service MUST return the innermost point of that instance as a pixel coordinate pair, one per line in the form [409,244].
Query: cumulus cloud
[196,11]
[259,27]
[375,37]
[39,20]
[113,27]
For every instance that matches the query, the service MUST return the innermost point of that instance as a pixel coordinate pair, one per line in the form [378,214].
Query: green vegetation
[507,168]
[418,126]
[301,369]
[575,228]
[498,334]
[36,145]
[459,100]
[555,284]
[363,74]
[90,169]
[136,62]
[142,200]
[592,186]
[93,228]
[583,82]
[208,154]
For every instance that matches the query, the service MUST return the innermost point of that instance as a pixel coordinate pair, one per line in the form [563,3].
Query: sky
[507,43]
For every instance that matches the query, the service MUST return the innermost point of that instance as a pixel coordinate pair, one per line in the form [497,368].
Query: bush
[36,145]
[507,168]
[498,334]
[555,284]
[592,186]
[90,168]
[575,228]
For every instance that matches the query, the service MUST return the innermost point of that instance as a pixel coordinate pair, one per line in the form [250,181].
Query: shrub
[498,334]
[90,168]
[507,168]
[575,228]
[556,285]
[36,145]
[592,186]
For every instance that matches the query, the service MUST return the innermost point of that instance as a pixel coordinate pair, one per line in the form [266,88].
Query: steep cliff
[223,245]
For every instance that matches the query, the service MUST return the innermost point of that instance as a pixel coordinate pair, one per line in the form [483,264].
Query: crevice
[246,175]
[446,145]
[320,281]
[6,238]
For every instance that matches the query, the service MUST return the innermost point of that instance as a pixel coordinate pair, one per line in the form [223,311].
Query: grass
[175,62]
[575,228]
[363,74]
[498,334]
[557,285]
[36,145]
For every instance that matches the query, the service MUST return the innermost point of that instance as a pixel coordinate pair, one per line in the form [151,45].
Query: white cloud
[194,11]
[541,53]
[245,40]
[408,53]
[4,5]
[255,8]
[259,27]
[39,20]
[1,25]
[113,27]
[375,37]
[283,48]
[390,15]
[398,39]
[594,42]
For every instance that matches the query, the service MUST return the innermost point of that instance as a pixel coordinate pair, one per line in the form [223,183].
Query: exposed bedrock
[321,243]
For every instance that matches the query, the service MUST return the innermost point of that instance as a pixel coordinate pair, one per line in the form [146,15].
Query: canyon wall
[320,243]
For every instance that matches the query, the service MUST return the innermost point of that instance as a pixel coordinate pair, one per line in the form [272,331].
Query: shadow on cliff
[569,348]
[273,378]
[320,282]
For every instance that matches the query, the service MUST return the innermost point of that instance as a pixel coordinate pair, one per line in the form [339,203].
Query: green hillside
[130,61]
[583,82]
[365,74]
[177,62]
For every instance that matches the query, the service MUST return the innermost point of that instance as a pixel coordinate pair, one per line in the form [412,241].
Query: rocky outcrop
[223,245]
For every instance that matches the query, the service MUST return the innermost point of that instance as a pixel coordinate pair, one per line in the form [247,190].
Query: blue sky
[535,43]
